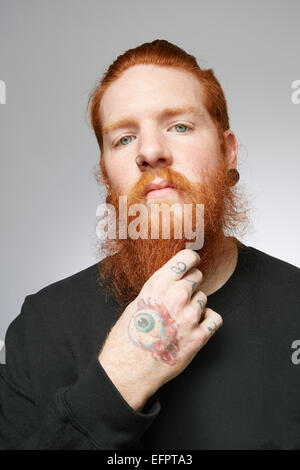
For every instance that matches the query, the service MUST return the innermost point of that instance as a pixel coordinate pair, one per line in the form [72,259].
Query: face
[182,147]
[186,141]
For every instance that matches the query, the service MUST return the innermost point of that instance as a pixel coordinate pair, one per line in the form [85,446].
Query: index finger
[180,264]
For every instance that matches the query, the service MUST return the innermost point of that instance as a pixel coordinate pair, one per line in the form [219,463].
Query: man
[126,353]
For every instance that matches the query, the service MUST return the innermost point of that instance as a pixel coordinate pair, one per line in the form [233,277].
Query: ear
[231,146]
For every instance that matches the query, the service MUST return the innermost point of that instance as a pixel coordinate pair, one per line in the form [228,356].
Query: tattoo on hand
[201,303]
[153,329]
[212,330]
[193,284]
[179,268]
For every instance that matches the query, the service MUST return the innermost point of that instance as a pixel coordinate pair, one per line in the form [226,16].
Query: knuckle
[191,314]
[201,336]
[203,297]
[155,283]
[159,287]
[181,294]
[215,316]
[211,314]
[197,274]
[196,256]
[190,254]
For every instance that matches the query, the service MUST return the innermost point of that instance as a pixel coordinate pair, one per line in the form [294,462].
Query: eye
[125,137]
[182,126]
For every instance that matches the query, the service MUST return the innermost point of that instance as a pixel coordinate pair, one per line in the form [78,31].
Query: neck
[222,268]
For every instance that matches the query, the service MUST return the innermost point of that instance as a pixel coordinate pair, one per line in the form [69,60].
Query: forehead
[147,89]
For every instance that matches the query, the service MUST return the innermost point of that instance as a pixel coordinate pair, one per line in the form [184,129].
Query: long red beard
[130,262]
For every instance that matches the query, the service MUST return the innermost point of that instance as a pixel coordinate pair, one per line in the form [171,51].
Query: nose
[152,152]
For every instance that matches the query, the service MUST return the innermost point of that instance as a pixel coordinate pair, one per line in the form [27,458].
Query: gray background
[51,55]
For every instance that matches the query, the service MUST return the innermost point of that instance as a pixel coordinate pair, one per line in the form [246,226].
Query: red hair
[165,54]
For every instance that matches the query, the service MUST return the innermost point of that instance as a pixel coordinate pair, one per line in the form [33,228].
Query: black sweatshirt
[241,391]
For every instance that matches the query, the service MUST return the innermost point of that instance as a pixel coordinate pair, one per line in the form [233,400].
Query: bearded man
[124,354]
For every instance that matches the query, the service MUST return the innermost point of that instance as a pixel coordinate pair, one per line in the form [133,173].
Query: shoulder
[69,301]
[72,287]
[275,267]
[277,278]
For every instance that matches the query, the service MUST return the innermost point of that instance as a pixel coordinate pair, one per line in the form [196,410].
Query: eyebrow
[165,113]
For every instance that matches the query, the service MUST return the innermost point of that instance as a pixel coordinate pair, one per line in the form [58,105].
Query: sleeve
[89,414]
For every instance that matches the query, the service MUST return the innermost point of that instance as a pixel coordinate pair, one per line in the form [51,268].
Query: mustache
[174,178]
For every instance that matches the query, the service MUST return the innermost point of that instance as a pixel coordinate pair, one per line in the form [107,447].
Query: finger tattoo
[212,330]
[193,284]
[179,268]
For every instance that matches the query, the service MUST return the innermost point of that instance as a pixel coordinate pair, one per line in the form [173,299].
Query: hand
[160,331]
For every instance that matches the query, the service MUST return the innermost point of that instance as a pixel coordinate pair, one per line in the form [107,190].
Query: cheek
[201,156]
[120,175]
